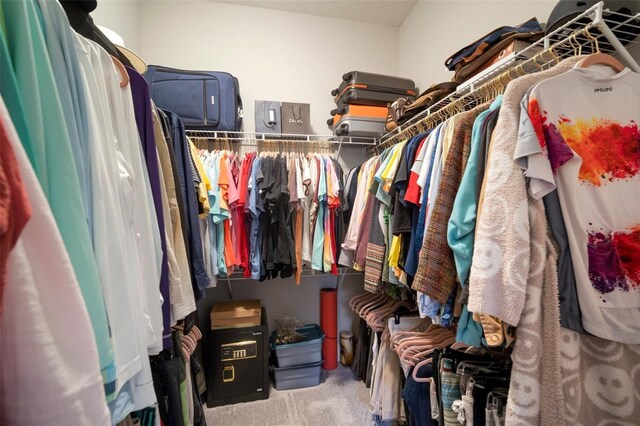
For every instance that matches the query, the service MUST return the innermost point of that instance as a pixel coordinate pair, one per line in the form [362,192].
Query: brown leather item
[403,110]
[485,55]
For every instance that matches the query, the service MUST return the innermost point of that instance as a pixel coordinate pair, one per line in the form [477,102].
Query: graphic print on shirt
[610,151]
[614,261]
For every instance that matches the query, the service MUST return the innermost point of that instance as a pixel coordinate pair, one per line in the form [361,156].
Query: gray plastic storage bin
[299,376]
[308,351]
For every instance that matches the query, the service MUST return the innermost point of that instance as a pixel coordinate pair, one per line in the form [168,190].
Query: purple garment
[144,120]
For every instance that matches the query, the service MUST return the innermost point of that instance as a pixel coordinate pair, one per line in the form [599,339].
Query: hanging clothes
[267,219]
[29,88]
[49,359]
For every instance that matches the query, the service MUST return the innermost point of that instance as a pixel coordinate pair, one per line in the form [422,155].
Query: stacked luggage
[362,101]
[468,65]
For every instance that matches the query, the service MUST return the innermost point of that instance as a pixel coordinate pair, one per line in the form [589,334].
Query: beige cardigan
[513,262]
[559,376]
[500,269]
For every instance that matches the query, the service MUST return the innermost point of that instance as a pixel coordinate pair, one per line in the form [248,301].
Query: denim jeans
[416,394]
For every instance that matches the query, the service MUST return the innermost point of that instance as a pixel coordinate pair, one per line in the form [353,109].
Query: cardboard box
[242,313]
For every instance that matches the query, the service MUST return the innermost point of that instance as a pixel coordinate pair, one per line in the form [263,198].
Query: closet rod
[247,138]
[308,275]
[497,77]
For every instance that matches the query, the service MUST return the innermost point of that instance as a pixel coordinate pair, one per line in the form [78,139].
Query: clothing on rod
[472,237]
[93,168]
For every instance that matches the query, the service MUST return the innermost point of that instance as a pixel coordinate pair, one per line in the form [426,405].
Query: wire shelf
[250,138]
[614,33]
[306,273]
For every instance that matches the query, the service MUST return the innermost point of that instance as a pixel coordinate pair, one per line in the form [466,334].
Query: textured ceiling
[388,12]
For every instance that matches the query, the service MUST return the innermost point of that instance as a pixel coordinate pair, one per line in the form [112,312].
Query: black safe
[236,364]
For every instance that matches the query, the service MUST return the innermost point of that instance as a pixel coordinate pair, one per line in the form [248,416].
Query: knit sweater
[436,275]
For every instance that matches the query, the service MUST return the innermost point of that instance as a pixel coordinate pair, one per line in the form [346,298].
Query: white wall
[436,29]
[285,298]
[122,16]
[275,55]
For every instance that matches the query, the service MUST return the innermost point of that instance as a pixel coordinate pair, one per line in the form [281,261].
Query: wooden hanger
[124,75]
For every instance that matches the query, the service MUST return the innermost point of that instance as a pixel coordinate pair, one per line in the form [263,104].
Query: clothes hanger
[373,313]
[419,350]
[417,367]
[425,339]
[414,354]
[400,335]
[423,352]
[599,58]
[365,302]
[460,346]
[378,318]
[124,75]
[375,304]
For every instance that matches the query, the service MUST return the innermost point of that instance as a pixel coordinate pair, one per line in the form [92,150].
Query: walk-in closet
[319,213]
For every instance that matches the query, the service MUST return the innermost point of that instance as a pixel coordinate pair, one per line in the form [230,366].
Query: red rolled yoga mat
[329,325]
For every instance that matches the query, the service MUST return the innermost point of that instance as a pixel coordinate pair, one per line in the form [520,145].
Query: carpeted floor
[339,400]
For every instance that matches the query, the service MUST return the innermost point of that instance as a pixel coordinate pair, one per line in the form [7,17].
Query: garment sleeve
[531,155]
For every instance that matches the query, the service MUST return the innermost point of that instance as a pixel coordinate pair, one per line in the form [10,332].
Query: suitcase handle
[343,130]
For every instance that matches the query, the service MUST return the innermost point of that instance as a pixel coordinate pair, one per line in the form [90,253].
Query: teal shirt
[60,44]
[462,224]
[317,260]
[26,66]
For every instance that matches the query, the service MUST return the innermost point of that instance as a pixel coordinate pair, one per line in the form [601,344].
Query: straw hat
[138,63]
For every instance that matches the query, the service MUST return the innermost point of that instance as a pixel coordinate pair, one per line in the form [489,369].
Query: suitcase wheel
[334,92]
[330,123]
[334,111]
[342,110]
[346,77]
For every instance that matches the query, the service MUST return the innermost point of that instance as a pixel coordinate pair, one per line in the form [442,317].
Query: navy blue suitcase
[202,99]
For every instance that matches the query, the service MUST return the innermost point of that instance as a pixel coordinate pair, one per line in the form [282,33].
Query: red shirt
[413,189]
[15,209]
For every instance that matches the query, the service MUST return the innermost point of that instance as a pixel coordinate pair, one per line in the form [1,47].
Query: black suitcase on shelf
[363,88]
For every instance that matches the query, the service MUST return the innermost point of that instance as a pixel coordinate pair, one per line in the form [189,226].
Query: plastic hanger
[417,367]
[124,75]
[373,304]
[428,338]
[357,298]
[423,353]
[359,301]
[378,304]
